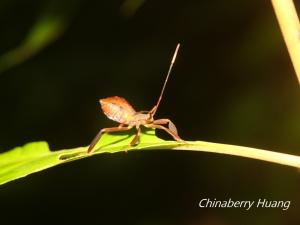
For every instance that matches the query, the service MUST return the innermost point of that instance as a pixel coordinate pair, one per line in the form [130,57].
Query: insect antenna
[154,109]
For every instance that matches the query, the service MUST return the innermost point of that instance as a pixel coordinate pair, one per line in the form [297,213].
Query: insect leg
[136,137]
[175,136]
[105,130]
[171,125]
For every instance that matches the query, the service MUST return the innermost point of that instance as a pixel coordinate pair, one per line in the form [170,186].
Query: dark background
[233,83]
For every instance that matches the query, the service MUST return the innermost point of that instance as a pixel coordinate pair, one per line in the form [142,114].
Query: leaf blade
[33,157]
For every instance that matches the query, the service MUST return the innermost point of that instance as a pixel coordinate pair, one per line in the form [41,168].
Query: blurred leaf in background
[130,7]
[55,17]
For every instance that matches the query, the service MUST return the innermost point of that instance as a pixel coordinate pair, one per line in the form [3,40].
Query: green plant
[36,156]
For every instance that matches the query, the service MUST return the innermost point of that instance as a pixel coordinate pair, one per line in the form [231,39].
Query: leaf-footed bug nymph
[118,109]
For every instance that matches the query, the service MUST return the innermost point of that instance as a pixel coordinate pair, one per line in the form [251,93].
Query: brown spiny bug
[118,109]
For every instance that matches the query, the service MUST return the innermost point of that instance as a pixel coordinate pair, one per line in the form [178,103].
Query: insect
[118,109]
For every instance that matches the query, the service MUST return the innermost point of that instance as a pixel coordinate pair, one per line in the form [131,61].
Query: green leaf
[34,157]
[49,26]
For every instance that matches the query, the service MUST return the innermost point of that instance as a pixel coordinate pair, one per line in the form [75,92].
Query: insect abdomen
[117,109]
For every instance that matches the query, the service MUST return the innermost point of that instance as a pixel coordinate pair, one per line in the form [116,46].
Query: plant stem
[269,156]
[290,27]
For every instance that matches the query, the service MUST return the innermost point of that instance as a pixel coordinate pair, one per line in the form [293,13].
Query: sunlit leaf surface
[34,157]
